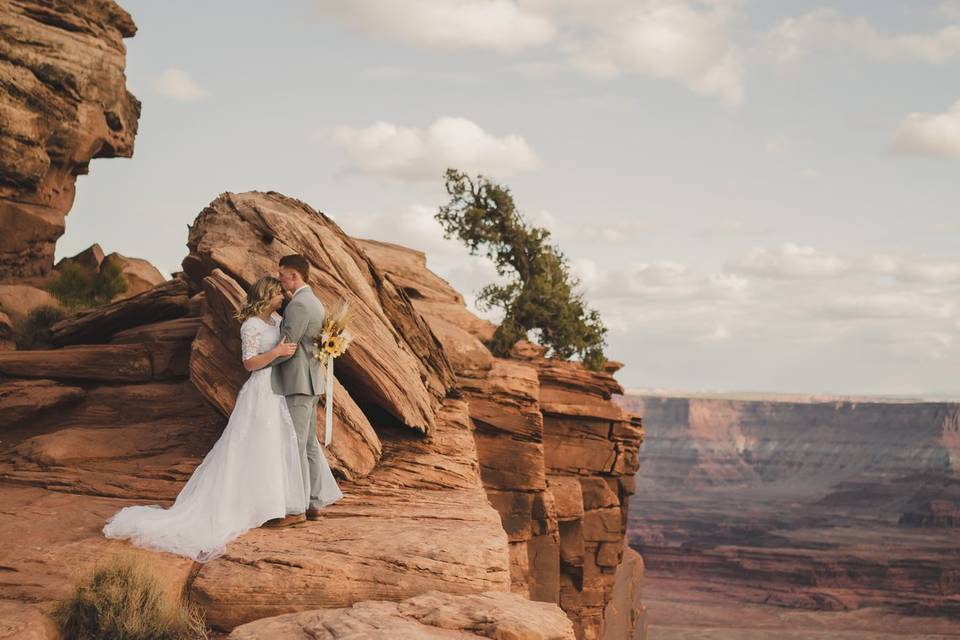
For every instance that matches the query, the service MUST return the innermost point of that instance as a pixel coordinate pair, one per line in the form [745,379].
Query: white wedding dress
[251,474]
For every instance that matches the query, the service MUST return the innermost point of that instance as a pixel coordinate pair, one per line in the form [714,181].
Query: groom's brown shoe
[313,514]
[278,523]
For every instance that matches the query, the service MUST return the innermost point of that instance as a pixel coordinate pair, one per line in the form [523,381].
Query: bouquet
[330,344]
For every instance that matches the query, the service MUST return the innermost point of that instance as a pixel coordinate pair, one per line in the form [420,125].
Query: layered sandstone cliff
[463,473]
[838,505]
[63,102]
[484,497]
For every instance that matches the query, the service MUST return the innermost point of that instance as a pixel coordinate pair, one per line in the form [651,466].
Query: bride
[252,474]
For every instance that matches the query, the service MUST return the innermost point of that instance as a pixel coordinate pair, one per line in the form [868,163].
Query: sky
[756,196]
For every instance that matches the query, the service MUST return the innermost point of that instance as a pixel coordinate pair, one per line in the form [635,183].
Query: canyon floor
[730,574]
[762,519]
[677,612]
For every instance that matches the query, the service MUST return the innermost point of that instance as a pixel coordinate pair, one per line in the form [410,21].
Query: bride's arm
[260,361]
[250,344]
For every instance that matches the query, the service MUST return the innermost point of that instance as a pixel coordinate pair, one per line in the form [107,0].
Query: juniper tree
[539,295]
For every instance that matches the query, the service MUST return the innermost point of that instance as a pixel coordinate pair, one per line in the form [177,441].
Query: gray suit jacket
[300,372]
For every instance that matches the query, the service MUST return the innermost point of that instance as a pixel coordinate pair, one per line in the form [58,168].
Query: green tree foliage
[78,288]
[539,295]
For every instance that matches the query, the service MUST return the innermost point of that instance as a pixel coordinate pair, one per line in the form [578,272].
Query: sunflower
[334,338]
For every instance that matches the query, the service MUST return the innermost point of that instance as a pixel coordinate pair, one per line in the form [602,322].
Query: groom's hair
[297,262]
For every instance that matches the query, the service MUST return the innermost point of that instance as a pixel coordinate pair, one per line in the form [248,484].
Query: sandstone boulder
[136,441]
[419,521]
[395,363]
[169,299]
[63,102]
[169,343]
[433,614]
[89,260]
[17,300]
[24,399]
[104,363]
[59,540]
[556,454]
[460,332]
[139,274]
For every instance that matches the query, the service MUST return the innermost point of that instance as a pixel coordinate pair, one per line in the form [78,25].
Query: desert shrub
[121,600]
[78,288]
[109,282]
[33,330]
[539,296]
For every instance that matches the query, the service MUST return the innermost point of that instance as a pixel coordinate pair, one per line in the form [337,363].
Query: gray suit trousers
[303,410]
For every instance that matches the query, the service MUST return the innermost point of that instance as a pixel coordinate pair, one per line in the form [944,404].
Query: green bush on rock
[78,288]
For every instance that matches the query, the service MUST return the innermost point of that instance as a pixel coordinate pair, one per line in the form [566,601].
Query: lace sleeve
[249,340]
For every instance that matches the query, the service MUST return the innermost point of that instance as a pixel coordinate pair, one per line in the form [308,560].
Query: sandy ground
[676,612]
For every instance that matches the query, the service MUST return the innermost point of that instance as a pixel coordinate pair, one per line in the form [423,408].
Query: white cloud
[936,134]
[498,25]
[885,305]
[663,280]
[685,41]
[414,154]
[828,28]
[177,84]
[911,270]
[789,261]
[675,40]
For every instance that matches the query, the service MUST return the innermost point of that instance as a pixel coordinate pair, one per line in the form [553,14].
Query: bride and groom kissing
[267,468]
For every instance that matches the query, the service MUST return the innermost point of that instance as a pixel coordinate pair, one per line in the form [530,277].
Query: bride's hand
[285,348]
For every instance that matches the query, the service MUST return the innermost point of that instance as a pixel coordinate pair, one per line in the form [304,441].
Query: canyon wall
[463,473]
[63,102]
[836,505]
[489,489]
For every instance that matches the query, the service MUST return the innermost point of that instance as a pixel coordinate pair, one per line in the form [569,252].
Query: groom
[299,377]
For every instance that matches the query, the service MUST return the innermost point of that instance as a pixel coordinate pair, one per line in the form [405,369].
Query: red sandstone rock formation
[139,274]
[395,364]
[556,456]
[520,484]
[63,102]
[434,614]
[453,462]
[17,300]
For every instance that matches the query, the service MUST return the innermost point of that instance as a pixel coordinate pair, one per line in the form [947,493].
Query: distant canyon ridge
[844,506]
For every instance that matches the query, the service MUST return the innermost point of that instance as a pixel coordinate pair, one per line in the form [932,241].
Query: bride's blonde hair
[258,297]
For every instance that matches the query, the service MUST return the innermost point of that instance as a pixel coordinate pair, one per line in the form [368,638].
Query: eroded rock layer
[502,483]
[556,454]
[63,102]
[827,505]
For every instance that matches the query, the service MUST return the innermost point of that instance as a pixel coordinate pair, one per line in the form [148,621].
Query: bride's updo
[258,297]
